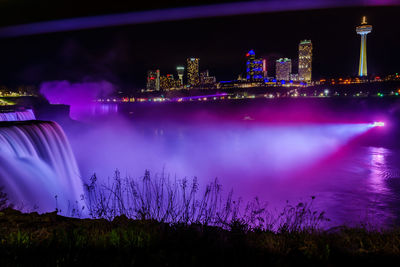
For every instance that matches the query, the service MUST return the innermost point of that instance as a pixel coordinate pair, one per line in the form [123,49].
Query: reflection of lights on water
[104,109]
[378,162]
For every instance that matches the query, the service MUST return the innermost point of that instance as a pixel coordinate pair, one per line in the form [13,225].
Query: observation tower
[363,30]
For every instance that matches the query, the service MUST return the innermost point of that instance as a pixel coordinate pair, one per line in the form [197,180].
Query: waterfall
[38,168]
[25,115]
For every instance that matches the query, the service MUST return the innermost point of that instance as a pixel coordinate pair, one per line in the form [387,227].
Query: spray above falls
[79,96]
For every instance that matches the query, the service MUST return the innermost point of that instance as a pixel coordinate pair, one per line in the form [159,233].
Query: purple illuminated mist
[274,160]
[80,96]
[278,150]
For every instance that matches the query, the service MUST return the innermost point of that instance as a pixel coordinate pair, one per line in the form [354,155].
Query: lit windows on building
[193,78]
[164,82]
[167,82]
[153,80]
[294,77]
[254,68]
[180,71]
[283,69]
[205,78]
[264,68]
[207,81]
[305,60]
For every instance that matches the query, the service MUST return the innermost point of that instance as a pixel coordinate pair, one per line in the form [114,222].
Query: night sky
[122,55]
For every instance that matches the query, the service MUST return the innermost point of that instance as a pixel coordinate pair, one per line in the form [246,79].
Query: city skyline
[123,55]
[256,71]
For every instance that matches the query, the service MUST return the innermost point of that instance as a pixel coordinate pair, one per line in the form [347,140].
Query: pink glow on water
[285,150]
[251,159]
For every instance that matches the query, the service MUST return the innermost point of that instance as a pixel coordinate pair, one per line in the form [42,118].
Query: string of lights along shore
[256,73]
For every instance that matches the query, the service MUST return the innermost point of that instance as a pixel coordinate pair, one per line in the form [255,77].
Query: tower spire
[363,30]
[364,20]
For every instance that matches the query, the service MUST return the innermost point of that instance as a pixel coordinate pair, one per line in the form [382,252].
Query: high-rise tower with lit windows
[305,60]
[254,67]
[153,80]
[193,78]
[363,30]
[180,70]
[283,69]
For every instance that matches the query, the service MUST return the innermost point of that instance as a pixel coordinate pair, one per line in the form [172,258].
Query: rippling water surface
[361,186]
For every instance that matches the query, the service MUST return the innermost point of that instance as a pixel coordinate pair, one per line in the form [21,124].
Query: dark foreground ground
[53,240]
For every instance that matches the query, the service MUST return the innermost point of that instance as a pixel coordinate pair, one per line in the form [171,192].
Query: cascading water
[38,168]
[25,115]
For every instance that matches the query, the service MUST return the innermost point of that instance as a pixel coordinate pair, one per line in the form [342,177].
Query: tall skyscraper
[254,68]
[305,60]
[180,70]
[193,71]
[283,69]
[153,80]
[363,30]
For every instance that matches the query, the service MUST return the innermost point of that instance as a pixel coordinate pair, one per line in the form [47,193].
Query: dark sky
[122,55]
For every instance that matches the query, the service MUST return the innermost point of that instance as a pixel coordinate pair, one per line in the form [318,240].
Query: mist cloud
[79,96]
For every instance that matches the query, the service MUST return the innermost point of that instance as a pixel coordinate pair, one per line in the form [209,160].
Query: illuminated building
[254,68]
[206,80]
[153,80]
[363,30]
[393,77]
[193,78]
[283,69]
[305,60]
[264,68]
[168,82]
[180,70]
[294,77]
[164,82]
[240,78]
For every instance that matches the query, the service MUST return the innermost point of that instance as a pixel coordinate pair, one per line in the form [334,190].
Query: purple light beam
[182,13]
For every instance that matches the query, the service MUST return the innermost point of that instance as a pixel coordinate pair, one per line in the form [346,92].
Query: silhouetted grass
[4,201]
[180,202]
[165,222]
[51,240]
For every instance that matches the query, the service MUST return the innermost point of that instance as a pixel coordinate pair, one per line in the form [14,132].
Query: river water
[353,181]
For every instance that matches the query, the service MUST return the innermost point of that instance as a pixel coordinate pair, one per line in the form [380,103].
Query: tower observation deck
[363,30]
